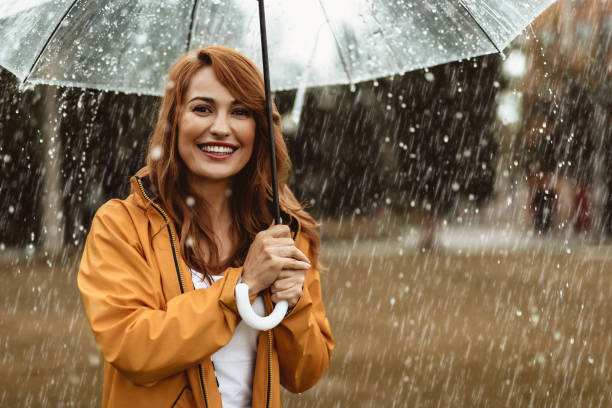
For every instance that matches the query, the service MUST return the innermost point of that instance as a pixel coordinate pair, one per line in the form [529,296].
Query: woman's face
[216,131]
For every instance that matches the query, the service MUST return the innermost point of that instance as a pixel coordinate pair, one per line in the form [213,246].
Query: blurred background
[466,218]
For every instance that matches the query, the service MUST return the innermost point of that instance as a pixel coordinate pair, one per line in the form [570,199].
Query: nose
[220,126]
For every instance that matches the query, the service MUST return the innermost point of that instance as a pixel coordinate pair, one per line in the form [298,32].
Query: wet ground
[477,327]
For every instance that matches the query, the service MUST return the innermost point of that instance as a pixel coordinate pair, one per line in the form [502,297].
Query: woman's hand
[271,252]
[288,286]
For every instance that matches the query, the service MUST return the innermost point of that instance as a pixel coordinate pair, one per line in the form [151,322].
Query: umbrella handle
[253,319]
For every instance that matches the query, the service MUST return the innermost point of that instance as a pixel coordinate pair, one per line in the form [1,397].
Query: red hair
[252,191]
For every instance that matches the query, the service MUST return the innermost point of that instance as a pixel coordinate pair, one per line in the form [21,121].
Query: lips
[217,150]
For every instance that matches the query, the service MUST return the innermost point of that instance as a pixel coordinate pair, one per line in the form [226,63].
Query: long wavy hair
[252,190]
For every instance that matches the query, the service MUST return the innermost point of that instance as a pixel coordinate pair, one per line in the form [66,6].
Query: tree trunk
[52,238]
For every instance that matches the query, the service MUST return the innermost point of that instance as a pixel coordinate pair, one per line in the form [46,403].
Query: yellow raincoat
[157,333]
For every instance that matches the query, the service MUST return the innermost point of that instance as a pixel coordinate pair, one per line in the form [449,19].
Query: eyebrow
[211,100]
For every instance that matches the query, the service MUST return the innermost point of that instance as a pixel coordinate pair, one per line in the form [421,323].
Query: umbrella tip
[25,86]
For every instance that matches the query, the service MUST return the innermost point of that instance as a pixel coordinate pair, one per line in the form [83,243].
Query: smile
[217,150]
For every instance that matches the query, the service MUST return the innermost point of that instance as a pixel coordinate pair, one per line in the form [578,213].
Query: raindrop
[156,153]
[94,360]
[74,379]
[190,201]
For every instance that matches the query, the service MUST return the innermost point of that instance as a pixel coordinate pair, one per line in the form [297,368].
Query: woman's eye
[242,112]
[204,109]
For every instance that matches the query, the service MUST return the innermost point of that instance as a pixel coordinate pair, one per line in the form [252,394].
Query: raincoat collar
[147,195]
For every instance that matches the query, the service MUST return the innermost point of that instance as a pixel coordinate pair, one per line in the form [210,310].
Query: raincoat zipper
[269,368]
[178,270]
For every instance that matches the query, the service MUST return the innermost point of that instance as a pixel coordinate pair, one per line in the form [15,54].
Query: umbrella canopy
[129,45]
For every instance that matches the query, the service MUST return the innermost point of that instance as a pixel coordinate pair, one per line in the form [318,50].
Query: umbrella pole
[266,69]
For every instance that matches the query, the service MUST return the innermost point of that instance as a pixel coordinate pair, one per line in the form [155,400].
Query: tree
[446,143]
[338,160]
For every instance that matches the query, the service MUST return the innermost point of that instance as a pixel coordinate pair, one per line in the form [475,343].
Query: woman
[159,268]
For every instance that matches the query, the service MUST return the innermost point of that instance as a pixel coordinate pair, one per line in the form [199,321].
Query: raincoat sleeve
[303,339]
[141,334]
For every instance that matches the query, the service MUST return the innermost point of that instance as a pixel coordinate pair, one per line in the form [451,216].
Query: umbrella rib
[388,45]
[190,35]
[481,27]
[59,23]
[342,60]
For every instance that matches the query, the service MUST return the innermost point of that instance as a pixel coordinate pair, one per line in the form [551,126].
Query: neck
[217,196]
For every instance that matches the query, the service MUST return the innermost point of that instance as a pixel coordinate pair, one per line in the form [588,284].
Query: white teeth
[218,149]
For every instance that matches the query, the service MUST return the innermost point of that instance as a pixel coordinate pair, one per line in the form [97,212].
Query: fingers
[282,285]
[278,231]
[279,242]
[291,295]
[288,279]
[291,273]
[291,252]
[290,263]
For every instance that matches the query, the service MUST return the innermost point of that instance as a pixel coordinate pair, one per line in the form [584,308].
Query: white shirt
[235,362]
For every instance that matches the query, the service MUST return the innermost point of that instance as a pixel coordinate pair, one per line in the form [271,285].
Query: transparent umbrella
[129,45]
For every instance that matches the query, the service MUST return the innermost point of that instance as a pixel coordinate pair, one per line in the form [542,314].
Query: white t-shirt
[235,362]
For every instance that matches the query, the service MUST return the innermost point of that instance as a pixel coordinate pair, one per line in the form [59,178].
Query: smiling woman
[164,312]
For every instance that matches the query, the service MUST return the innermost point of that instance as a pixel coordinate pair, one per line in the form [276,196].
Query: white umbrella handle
[253,319]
